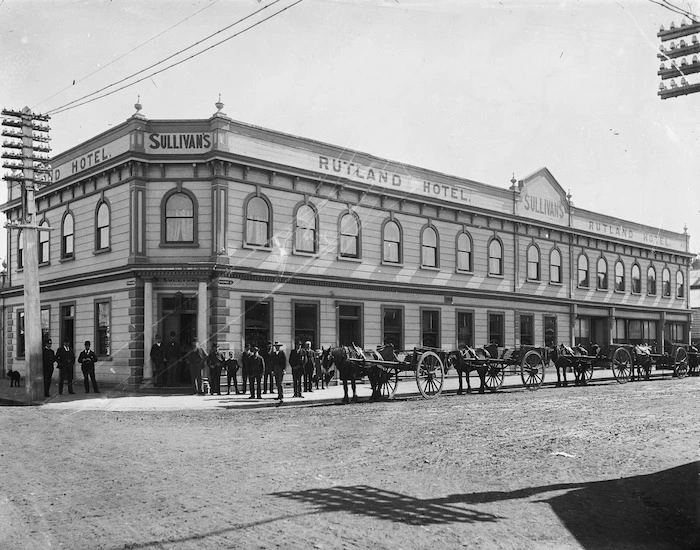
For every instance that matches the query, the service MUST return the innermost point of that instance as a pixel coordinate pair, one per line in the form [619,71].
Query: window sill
[533,281]
[496,276]
[392,264]
[429,268]
[581,287]
[464,271]
[349,259]
[305,254]
[67,259]
[554,283]
[179,245]
[257,247]
[102,250]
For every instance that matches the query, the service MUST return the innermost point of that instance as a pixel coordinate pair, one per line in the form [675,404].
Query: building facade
[234,233]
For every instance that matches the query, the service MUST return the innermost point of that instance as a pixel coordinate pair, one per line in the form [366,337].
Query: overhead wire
[102,67]
[79,102]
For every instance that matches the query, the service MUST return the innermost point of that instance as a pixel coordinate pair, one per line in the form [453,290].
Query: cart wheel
[622,365]
[494,376]
[680,363]
[532,370]
[388,384]
[588,373]
[430,374]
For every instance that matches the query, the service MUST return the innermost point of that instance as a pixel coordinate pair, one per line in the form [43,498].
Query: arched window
[306,229]
[257,222]
[44,243]
[555,266]
[666,282]
[651,281]
[429,247]
[602,274]
[102,227]
[533,263]
[67,236]
[20,250]
[636,279]
[680,291]
[464,252]
[495,257]
[392,242]
[619,277]
[349,243]
[179,218]
[583,276]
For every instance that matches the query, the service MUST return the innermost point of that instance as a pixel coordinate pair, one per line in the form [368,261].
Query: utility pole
[26,156]
[674,53]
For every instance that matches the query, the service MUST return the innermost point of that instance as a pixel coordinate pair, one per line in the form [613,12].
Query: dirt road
[608,466]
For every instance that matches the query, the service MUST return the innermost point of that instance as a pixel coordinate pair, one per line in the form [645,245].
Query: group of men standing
[64,358]
[259,368]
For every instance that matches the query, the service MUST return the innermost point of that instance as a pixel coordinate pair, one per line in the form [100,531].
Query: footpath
[114,398]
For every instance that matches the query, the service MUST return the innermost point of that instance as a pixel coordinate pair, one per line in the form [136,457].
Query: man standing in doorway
[172,360]
[48,358]
[158,362]
[66,361]
[307,359]
[87,360]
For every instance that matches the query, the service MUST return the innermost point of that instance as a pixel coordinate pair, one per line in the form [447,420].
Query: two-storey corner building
[229,232]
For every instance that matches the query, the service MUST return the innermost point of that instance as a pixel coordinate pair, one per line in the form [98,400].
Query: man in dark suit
[49,358]
[307,359]
[158,362]
[268,374]
[256,366]
[87,360]
[66,361]
[196,359]
[278,361]
[172,360]
[216,363]
[295,361]
[231,373]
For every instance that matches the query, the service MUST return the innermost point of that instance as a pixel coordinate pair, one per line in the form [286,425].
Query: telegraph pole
[676,62]
[26,156]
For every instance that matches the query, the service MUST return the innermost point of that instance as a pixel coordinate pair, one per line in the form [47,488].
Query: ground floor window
[392,327]
[306,324]
[45,325]
[465,327]
[527,330]
[68,324]
[675,332]
[550,331]
[257,323]
[20,334]
[430,328]
[103,324]
[349,324]
[582,331]
[497,325]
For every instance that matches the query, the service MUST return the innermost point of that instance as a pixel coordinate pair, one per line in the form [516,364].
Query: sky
[485,90]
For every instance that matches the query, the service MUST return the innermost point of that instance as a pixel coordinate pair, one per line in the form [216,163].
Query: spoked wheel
[680,363]
[622,365]
[388,384]
[588,373]
[494,376]
[532,370]
[430,374]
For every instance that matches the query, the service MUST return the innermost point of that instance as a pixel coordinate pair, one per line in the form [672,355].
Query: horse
[467,359]
[564,356]
[347,370]
[642,360]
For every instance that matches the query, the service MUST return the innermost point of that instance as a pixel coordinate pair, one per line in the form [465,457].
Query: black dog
[14,377]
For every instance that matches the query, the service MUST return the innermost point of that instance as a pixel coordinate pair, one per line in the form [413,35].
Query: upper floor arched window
[666,282]
[651,281]
[464,252]
[258,218]
[583,273]
[102,229]
[391,238]
[20,250]
[636,279]
[533,263]
[602,274]
[495,257]
[555,274]
[429,247]
[306,230]
[44,241]
[680,290]
[619,276]
[179,218]
[67,236]
[349,243]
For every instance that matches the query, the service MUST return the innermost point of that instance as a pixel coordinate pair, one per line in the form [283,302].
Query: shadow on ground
[659,510]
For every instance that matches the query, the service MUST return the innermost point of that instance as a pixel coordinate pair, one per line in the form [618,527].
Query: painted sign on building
[542,200]
[177,143]
[91,159]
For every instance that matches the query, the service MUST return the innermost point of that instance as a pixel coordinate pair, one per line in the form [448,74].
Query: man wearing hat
[278,359]
[48,358]
[295,361]
[87,360]
[65,358]
[256,365]
[307,359]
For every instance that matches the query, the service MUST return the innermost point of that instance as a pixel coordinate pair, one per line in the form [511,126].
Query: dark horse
[467,359]
[577,357]
[349,370]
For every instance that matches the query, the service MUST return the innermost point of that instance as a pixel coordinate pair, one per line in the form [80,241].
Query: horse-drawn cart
[642,359]
[529,360]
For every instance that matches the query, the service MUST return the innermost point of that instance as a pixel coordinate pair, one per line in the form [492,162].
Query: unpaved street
[608,466]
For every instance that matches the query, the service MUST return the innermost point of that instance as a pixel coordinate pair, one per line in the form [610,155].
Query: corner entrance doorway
[178,323]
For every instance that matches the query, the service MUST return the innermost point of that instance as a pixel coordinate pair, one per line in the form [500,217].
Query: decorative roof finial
[513,180]
[138,108]
[219,105]
[685,229]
